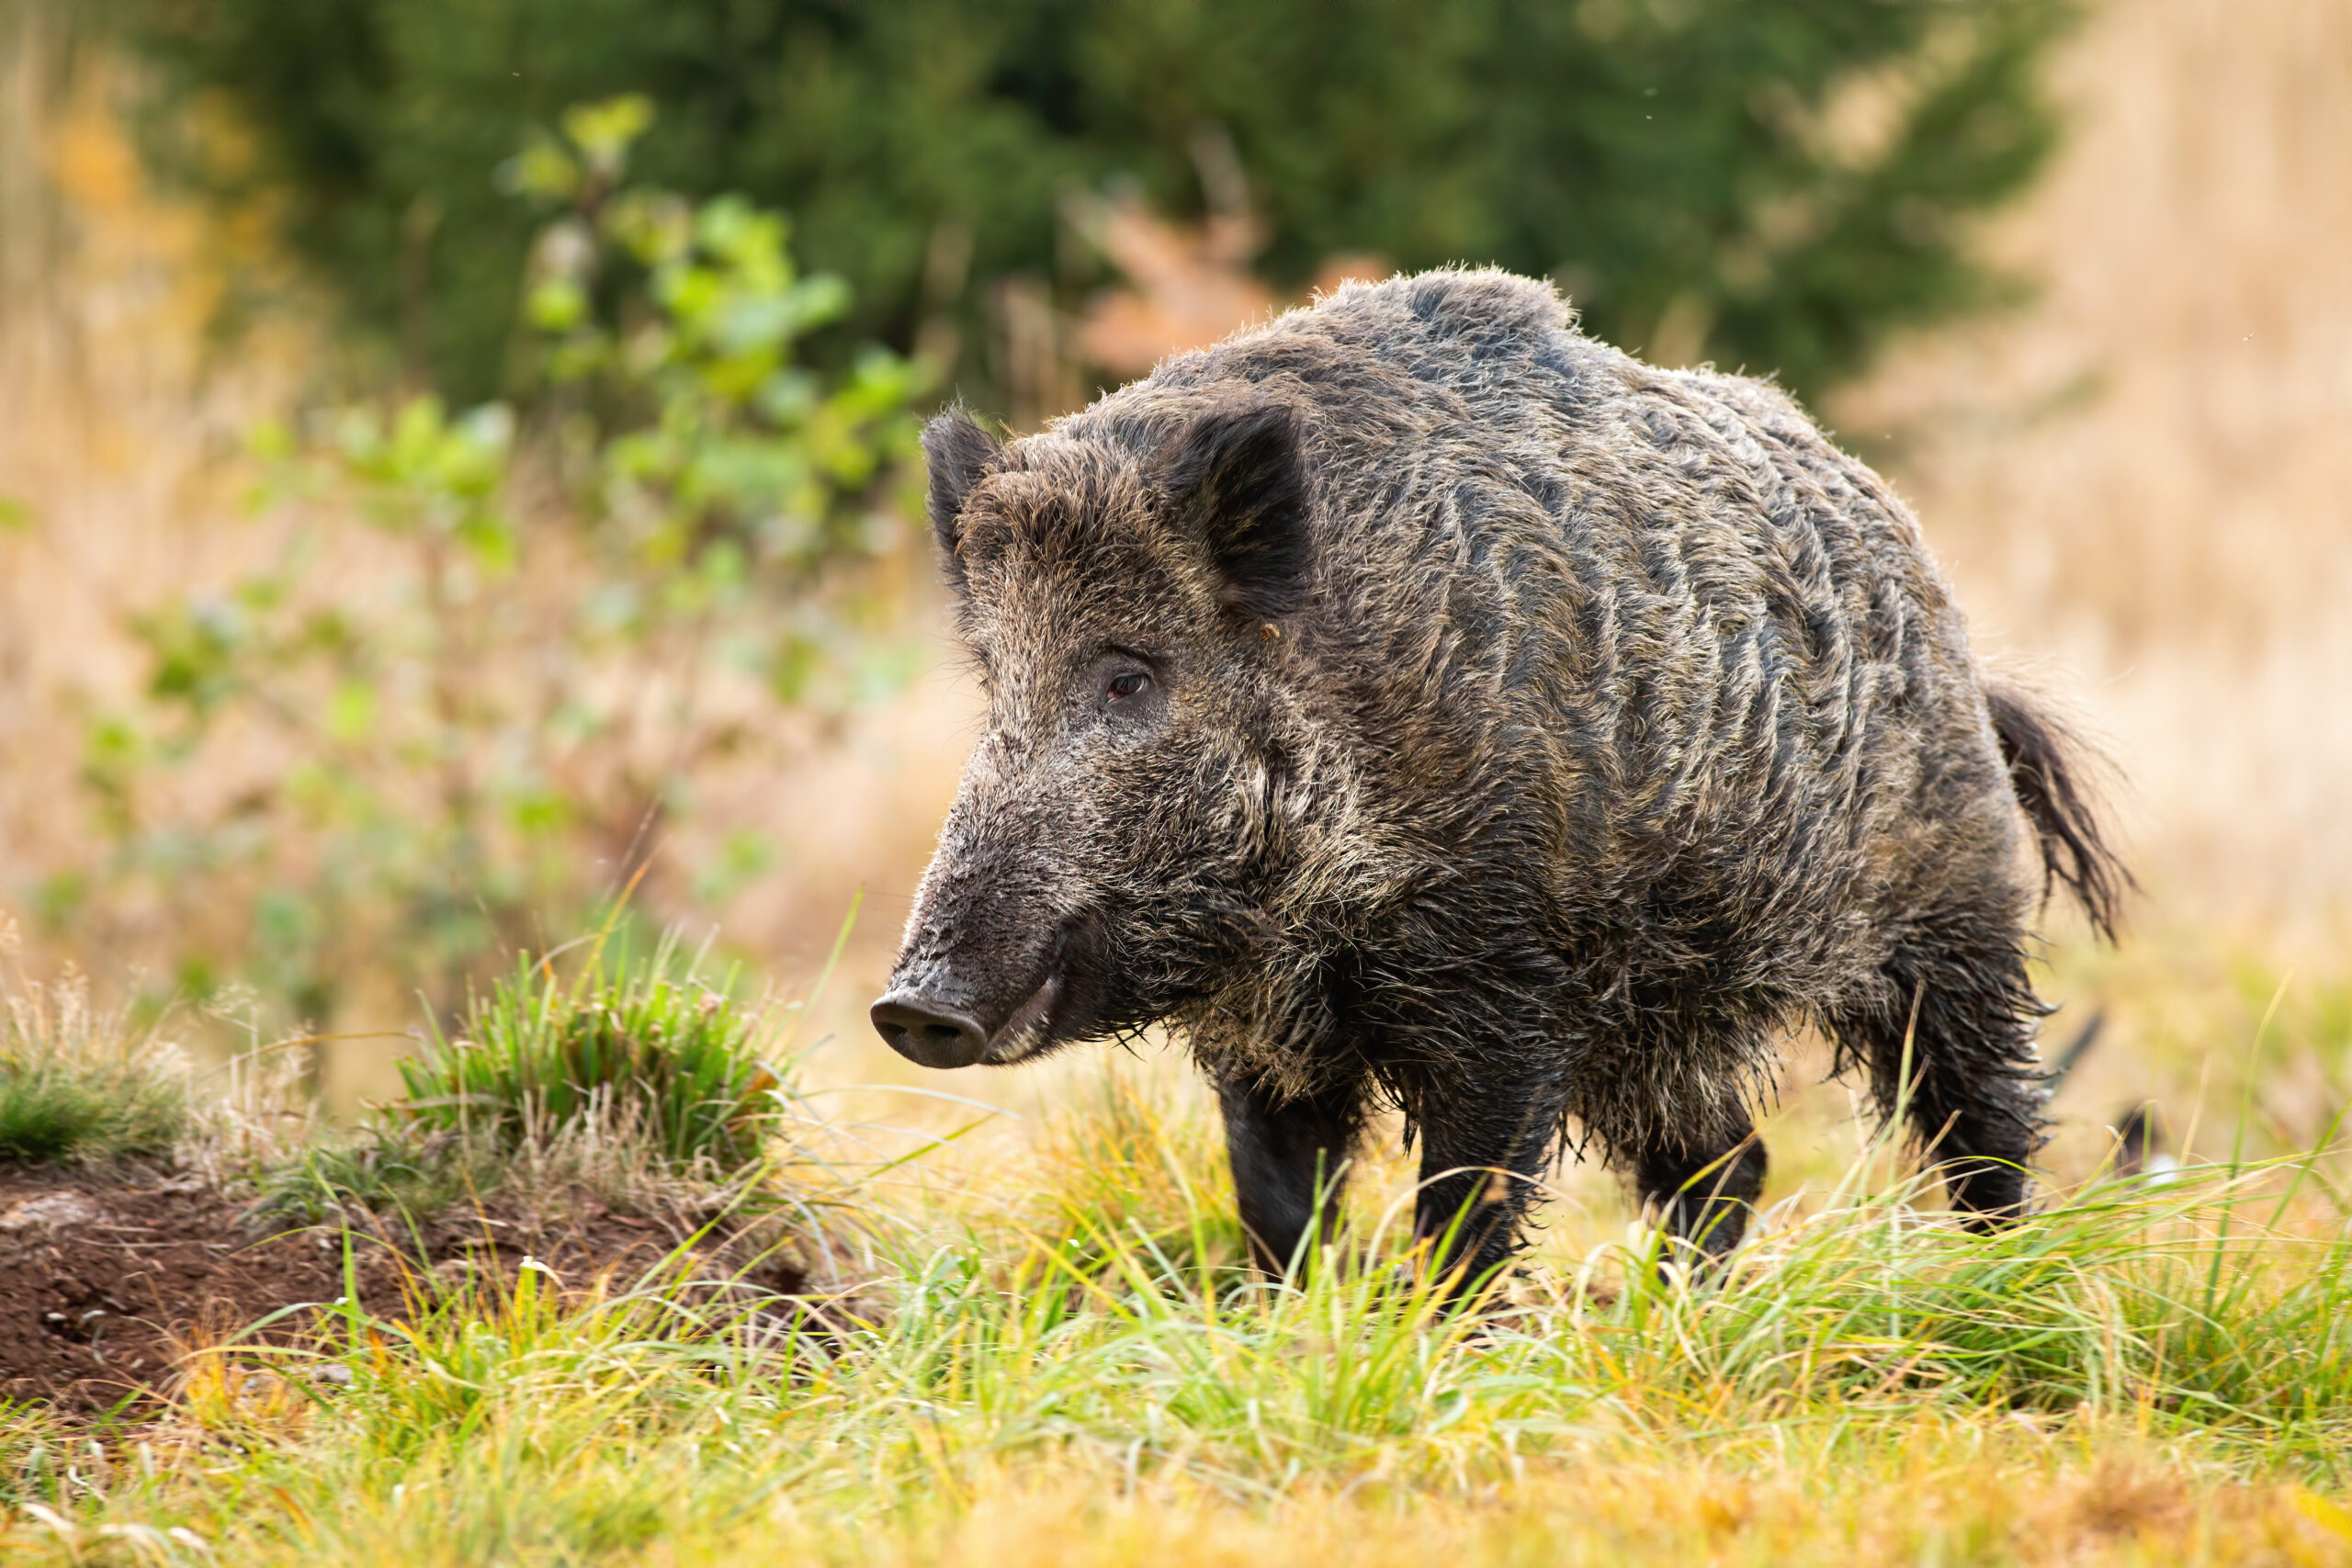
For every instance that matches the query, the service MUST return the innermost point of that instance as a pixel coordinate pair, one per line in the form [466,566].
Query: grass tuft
[78,1085]
[621,1043]
[1120,1167]
[625,1085]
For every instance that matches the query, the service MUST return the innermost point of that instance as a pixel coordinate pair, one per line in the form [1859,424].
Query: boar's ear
[1237,477]
[960,455]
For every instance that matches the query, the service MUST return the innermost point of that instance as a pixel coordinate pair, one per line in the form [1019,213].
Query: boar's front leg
[1484,1147]
[1288,1153]
[1703,1187]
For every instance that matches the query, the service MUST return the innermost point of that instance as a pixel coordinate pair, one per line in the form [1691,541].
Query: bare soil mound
[109,1279]
[105,1283]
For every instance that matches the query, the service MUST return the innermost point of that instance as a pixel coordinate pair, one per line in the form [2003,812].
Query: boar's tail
[2046,766]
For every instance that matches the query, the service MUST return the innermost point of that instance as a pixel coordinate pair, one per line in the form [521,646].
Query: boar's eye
[1125,685]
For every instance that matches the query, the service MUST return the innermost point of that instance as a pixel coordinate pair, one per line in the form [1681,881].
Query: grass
[1054,1359]
[1051,1351]
[630,1079]
[1853,1358]
[1123,1164]
[617,1041]
[78,1086]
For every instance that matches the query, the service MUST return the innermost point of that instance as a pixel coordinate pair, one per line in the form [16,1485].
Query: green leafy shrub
[500,655]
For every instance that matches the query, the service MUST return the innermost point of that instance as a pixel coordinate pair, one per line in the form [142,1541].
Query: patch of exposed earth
[109,1279]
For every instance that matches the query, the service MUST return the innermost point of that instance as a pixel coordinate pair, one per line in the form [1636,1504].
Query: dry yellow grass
[1952,1495]
[2145,479]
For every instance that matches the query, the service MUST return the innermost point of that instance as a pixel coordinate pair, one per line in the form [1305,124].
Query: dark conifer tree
[1775,182]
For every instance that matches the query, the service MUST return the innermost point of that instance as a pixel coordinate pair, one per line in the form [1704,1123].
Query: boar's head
[1122,598]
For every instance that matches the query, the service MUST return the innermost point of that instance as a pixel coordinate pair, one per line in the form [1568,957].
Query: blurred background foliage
[1774,184]
[469,700]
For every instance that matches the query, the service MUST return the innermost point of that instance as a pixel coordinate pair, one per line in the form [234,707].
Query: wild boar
[1414,701]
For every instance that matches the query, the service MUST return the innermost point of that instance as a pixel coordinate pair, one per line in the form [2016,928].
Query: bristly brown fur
[1417,699]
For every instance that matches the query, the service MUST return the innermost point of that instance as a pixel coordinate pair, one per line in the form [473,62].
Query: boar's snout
[939,1014]
[927,1033]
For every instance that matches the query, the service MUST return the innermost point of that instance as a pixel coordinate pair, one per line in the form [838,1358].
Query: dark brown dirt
[109,1279]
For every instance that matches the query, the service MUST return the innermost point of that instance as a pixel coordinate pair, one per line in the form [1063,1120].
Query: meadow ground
[1031,1340]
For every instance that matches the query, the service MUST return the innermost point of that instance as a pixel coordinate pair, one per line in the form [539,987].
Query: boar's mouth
[932,1024]
[1031,1023]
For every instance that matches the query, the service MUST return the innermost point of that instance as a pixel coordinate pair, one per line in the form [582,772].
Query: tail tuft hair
[2044,769]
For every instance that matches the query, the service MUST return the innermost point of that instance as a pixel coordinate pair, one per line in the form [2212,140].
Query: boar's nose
[927,1034]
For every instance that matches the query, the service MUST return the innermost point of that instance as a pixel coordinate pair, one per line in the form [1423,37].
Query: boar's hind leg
[1957,1015]
[1703,1190]
[1285,1153]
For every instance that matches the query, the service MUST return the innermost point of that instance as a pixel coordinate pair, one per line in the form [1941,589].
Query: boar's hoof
[928,1034]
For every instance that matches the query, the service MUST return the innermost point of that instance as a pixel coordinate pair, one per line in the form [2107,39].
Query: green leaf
[351,712]
[557,305]
[542,171]
[603,132]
